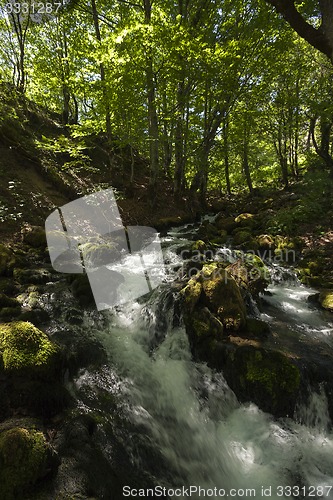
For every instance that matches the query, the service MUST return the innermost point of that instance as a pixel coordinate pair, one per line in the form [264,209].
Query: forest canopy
[216,94]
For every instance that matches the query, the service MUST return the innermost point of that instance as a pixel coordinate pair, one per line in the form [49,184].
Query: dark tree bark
[153,131]
[321,38]
[102,73]
[322,150]
[225,131]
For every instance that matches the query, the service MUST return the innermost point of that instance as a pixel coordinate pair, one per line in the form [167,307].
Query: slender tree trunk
[245,159]
[153,132]
[167,145]
[225,132]
[323,149]
[103,76]
[179,142]
[21,34]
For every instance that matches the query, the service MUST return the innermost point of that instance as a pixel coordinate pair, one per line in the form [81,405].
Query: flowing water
[180,422]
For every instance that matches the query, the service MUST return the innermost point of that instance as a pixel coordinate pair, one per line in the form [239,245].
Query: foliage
[217,94]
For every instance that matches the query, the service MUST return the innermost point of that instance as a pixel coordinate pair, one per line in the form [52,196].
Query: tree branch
[318,38]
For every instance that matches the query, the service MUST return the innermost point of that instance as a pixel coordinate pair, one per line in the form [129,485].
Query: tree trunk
[323,149]
[225,132]
[152,112]
[103,77]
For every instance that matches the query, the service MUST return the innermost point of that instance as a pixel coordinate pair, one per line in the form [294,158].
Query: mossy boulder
[266,242]
[245,220]
[7,261]
[250,273]
[222,296]
[215,291]
[326,300]
[34,236]
[191,295]
[24,347]
[25,458]
[206,325]
[268,378]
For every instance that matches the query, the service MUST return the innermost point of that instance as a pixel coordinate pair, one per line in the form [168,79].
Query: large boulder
[25,458]
[213,307]
[31,368]
[25,347]
[270,379]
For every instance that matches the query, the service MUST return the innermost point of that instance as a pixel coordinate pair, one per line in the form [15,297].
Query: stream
[180,423]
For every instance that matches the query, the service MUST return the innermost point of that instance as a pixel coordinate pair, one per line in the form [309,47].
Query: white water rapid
[186,425]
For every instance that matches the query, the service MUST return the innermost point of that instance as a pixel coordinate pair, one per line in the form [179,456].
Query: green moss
[326,300]
[265,241]
[22,345]
[206,325]
[191,294]
[274,371]
[199,246]
[245,219]
[23,457]
[223,297]
[250,273]
[200,327]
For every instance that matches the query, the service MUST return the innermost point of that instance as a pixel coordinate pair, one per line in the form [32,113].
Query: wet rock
[208,231]
[222,296]
[268,378]
[212,307]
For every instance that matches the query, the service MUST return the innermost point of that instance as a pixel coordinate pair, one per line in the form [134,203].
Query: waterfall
[180,422]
